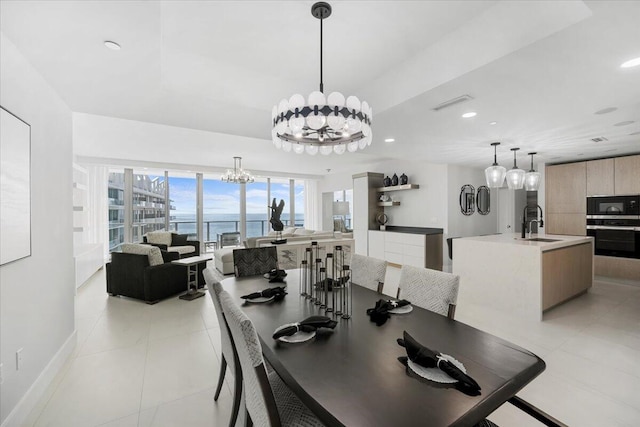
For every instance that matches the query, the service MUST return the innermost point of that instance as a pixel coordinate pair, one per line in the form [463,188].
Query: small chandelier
[237,175]
[495,173]
[325,124]
[532,178]
[515,175]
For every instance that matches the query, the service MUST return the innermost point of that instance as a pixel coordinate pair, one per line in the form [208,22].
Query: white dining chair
[368,272]
[212,278]
[268,401]
[430,289]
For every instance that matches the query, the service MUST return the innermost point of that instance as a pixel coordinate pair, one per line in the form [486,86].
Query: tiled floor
[157,365]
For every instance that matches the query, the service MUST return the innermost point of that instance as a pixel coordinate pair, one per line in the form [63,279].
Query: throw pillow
[159,237]
[302,232]
[288,231]
[179,239]
[152,252]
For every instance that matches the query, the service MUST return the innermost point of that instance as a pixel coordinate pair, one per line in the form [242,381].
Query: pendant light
[532,178]
[495,173]
[515,175]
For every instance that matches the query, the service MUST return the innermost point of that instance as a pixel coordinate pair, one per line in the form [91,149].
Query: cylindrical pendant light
[515,175]
[495,173]
[532,178]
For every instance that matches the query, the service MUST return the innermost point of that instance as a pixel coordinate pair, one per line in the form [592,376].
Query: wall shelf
[398,188]
[388,204]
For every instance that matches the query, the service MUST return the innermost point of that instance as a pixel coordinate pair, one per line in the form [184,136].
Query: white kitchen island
[522,277]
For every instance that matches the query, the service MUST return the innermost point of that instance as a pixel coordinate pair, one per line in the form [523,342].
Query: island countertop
[521,277]
[413,230]
[560,241]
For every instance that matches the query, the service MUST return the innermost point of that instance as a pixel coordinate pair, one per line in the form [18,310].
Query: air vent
[599,139]
[452,102]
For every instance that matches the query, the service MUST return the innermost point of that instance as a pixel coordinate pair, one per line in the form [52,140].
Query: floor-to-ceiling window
[221,207]
[257,208]
[149,203]
[142,200]
[183,203]
[299,203]
[115,193]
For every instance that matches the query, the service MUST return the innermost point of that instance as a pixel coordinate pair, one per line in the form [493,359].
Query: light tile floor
[157,365]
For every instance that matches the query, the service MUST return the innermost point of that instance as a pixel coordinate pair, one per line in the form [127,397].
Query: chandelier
[237,175]
[321,124]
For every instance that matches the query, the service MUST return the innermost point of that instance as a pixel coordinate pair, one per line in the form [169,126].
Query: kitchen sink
[541,239]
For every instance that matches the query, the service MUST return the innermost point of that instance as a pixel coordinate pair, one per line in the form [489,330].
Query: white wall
[37,292]
[459,225]
[424,207]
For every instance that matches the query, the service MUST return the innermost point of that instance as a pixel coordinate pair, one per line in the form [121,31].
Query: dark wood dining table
[351,376]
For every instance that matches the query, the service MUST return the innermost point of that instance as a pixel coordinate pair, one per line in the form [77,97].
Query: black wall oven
[615,235]
[613,205]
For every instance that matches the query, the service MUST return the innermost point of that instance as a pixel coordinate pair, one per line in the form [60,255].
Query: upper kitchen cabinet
[600,177]
[627,175]
[566,188]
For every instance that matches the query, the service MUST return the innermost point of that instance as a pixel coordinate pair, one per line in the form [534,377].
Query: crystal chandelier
[515,175]
[237,175]
[532,178]
[321,124]
[495,173]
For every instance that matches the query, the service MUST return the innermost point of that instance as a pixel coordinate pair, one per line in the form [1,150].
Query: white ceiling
[540,69]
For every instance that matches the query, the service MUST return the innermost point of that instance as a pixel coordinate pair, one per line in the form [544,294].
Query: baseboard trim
[30,399]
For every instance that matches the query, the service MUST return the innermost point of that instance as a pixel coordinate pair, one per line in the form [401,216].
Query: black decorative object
[404,179]
[467,199]
[394,179]
[386,181]
[276,224]
[483,200]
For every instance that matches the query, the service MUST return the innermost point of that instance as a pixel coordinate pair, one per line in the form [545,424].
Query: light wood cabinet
[568,224]
[600,177]
[566,273]
[566,188]
[627,175]
[620,268]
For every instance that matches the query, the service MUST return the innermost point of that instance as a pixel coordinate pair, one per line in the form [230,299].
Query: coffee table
[192,275]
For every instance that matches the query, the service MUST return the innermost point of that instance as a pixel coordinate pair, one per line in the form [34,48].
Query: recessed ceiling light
[389,140]
[112,45]
[606,110]
[493,123]
[628,122]
[630,63]
[469,114]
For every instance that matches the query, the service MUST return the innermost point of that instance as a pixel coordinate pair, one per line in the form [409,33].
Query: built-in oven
[615,235]
[613,205]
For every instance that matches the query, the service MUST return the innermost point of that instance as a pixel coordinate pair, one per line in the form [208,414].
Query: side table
[192,275]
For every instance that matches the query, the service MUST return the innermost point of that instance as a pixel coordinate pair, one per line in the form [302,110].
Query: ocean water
[257,224]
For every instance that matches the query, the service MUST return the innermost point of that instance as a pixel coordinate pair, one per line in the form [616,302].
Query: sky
[224,198]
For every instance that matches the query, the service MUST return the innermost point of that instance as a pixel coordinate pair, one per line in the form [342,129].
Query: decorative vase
[394,179]
[386,181]
[404,179]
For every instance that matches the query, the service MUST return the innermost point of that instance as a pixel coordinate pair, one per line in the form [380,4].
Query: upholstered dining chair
[254,261]
[228,355]
[368,272]
[268,401]
[430,289]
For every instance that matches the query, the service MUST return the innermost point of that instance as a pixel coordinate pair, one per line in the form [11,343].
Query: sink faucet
[540,222]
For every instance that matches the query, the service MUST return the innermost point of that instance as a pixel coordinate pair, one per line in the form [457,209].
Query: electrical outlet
[18,359]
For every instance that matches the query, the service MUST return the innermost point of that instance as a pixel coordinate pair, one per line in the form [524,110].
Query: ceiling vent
[452,102]
[599,139]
